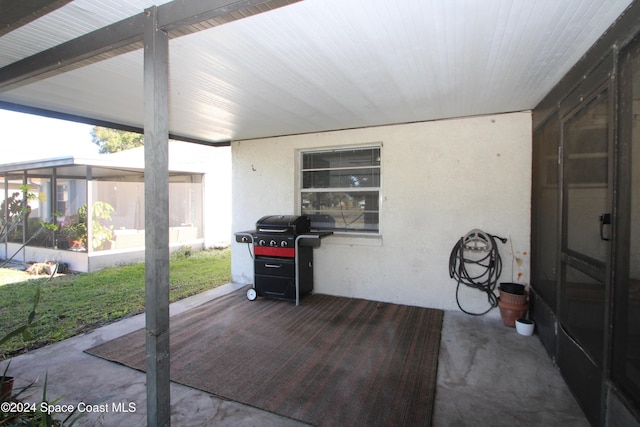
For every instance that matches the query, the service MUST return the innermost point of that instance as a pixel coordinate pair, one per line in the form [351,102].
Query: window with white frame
[340,189]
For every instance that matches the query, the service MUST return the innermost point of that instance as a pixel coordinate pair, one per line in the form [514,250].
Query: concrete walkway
[488,375]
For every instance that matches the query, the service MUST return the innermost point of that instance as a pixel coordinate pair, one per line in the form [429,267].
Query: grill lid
[286,224]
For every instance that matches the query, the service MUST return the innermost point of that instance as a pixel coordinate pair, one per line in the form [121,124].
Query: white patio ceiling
[321,65]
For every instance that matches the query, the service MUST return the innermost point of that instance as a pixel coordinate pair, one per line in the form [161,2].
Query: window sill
[353,239]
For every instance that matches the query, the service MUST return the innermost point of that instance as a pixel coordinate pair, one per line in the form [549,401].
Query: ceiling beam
[181,17]
[177,18]
[115,39]
[14,14]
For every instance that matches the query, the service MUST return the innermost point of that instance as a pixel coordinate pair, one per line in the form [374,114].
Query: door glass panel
[546,187]
[586,179]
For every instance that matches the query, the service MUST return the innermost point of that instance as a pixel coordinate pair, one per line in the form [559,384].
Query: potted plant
[6,382]
[36,416]
[101,233]
[17,207]
[76,230]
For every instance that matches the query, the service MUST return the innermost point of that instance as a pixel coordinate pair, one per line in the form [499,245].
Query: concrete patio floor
[488,375]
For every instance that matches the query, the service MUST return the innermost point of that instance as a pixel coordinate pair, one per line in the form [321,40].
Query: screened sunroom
[89,214]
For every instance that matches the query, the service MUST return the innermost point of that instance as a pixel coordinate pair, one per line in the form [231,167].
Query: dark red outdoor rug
[331,361]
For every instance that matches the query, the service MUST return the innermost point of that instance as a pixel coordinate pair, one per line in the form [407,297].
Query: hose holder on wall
[475,262]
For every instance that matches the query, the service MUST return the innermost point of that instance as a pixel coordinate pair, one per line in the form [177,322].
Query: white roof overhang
[314,65]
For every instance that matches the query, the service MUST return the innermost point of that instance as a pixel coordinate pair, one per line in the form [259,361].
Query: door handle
[605,219]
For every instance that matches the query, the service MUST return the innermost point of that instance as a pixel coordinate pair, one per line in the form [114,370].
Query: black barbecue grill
[283,256]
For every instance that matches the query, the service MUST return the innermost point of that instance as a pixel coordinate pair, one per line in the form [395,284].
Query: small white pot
[525,327]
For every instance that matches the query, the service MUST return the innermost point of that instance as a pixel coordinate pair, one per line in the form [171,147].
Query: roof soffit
[325,65]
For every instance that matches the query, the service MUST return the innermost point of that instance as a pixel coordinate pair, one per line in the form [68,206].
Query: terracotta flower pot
[511,312]
[516,299]
[6,388]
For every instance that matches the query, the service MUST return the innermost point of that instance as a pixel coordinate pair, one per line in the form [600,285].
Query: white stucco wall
[217,198]
[439,180]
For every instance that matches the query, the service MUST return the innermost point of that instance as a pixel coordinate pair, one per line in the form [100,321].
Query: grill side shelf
[244,236]
[312,238]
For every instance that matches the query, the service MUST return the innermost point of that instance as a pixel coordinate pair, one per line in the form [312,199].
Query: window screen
[340,189]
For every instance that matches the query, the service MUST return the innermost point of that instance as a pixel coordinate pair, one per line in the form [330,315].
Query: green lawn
[78,303]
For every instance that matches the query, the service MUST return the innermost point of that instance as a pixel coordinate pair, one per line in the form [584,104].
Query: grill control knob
[273,243]
[284,244]
[261,242]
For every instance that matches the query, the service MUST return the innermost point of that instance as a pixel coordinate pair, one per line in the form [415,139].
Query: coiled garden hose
[480,271]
